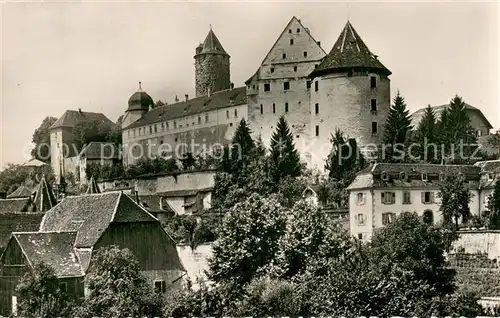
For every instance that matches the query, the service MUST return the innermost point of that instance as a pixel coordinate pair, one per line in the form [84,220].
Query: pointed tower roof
[93,188]
[349,51]
[211,45]
[44,198]
[21,192]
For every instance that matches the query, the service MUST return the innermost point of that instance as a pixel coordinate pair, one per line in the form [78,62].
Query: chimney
[3,195]
[187,97]
[231,86]
[80,110]
[319,43]
[176,99]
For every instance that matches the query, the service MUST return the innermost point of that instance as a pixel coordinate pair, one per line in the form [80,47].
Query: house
[490,174]
[386,190]
[101,153]
[80,225]
[187,201]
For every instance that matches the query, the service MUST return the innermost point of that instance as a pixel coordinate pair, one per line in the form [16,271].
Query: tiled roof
[34,163]
[91,214]
[100,150]
[211,45]
[18,222]
[16,205]
[183,193]
[153,204]
[417,116]
[361,181]
[44,198]
[84,255]
[93,188]
[71,118]
[489,166]
[21,192]
[349,51]
[54,249]
[197,105]
[434,169]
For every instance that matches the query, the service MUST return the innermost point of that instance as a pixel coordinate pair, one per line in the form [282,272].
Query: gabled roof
[18,222]
[197,105]
[34,163]
[44,198]
[417,116]
[211,45]
[93,188]
[54,249]
[183,193]
[21,192]
[350,51]
[89,215]
[430,169]
[16,205]
[71,118]
[100,150]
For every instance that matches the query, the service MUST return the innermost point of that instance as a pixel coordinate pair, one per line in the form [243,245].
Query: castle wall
[345,103]
[212,72]
[195,261]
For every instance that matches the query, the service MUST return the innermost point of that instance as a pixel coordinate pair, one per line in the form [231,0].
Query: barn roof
[89,215]
[15,205]
[54,249]
[417,116]
[18,222]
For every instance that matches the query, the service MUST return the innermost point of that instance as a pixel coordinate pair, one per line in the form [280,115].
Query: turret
[138,104]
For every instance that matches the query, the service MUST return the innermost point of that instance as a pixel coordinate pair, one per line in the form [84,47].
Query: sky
[90,55]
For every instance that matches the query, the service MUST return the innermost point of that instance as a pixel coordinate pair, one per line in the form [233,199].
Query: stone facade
[212,73]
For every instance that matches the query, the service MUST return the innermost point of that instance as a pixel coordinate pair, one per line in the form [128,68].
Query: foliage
[103,172]
[494,207]
[397,130]
[345,159]
[117,288]
[494,140]
[455,198]
[15,175]
[41,139]
[285,159]
[88,131]
[115,133]
[242,146]
[40,295]
[248,241]
[186,229]
[427,134]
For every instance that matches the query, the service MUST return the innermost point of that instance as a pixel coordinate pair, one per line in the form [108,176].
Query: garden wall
[479,242]
[195,261]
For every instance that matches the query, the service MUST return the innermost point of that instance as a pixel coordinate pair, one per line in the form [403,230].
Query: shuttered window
[427,197]
[388,198]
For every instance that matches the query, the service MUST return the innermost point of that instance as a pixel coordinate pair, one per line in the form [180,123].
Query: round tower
[350,91]
[138,104]
[211,66]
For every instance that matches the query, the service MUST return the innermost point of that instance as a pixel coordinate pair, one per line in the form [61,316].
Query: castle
[348,88]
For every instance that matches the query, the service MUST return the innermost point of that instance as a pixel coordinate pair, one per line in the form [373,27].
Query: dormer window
[442,176]
[402,175]
[272,69]
[424,176]
[384,176]
[490,176]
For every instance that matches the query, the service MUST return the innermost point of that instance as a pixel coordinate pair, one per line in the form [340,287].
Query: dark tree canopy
[285,159]
[455,198]
[89,131]
[41,139]
[494,207]
[397,130]
[345,158]
[427,134]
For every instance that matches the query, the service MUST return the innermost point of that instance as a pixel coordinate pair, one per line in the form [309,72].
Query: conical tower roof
[348,52]
[21,192]
[44,198]
[93,188]
[211,45]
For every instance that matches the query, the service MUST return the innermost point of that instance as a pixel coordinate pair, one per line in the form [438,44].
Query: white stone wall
[364,209]
[480,241]
[195,261]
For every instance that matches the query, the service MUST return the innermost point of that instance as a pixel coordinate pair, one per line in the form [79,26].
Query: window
[360,236]
[360,198]
[156,130]
[161,141]
[427,197]
[374,105]
[150,129]
[140,130]
[428,217]
[199,120]
[289,30]
[373,82]
[129,133]
[424,176]
[284,55]
[315,65]
[160,286]
[227,114]
[295,68]
[490,176]
[274,108]
[406,197]
[162,126]
[286,107]
[316,86]
[261,109]
[478,133]
[253,86]
[305,54]
[317,131]
[235,113]
[286,86]
[180,126]
[206,118]
[388,197]
[291,41]
[272,69]
[308,85]
[316,108]
[267,87]
[230,124]
[134,132]
[388,218]
[360,219]
[63,287]
[374,128]
[402,175]
[442,176]
[384,176]
[298,30]
[176,139]
[175,124]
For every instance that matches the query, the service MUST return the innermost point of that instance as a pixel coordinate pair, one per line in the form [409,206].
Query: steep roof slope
[211,45]
[21,192]
[18,222]
[44,198]
[15,205]
[71,118]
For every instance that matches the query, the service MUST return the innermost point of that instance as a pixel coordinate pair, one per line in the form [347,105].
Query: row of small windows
[290,30]
[423,176]
[286,87]
[389,217]
[388,197]
[284,54]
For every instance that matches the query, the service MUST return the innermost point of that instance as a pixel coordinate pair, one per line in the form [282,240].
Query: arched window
[428,217]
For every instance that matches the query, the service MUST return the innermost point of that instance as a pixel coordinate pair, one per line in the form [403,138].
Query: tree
[345,158]
[455,198]
[115,133]
[41,139]
[242,145]
[117,288]
[88,131]
[285,159]
[15,175]
[248,239]
[494,207]
[426,135]
[39,294]
[397,129]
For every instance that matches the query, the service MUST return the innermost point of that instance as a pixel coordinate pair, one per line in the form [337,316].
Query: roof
[435,169]
[54,249]
[89,215]
[183,193]
[18,222]
[34,163]
[93,188]
[211,45]
[44,198]
[16,205]
[71,118]
[21,192]
[197,105]
[100,150]
[489,166]
[154,204]
[417,116]
[140,100]
[349,51]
